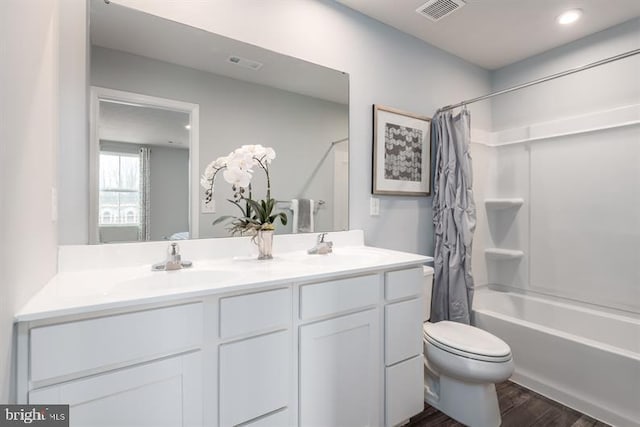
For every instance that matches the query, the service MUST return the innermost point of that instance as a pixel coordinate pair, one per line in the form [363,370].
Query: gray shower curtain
[144,232]
[454,218]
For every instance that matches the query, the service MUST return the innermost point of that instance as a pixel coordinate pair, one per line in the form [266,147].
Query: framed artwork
[401,153]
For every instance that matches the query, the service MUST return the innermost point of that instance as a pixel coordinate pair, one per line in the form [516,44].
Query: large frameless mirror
[167,99]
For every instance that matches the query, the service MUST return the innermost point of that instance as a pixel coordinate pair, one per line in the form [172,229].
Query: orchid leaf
[222,218]
[237,204]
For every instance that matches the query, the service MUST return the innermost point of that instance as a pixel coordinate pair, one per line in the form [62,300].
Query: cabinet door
[254,377]
[162,393]
[403,330]
[339,371]
[404,383]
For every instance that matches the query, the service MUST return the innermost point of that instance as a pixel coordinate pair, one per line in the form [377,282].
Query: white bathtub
[584,358]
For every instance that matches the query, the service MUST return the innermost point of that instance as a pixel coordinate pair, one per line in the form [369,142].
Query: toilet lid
[466,338]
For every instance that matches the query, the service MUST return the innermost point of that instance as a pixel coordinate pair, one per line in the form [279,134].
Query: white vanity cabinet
[335,349]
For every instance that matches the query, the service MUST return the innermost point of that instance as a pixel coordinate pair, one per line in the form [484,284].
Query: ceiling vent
[244,62]
[435,10]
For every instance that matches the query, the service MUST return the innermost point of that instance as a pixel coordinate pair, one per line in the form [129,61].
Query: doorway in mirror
[141,150]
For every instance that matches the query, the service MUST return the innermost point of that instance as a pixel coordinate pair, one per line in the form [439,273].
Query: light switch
[374,206]
[54,204]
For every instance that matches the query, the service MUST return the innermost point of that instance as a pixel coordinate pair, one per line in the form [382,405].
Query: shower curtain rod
[541,80]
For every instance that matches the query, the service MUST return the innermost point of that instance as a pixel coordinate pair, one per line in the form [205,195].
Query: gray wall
[169,191]
[385,66]
[28,150]
[233,113]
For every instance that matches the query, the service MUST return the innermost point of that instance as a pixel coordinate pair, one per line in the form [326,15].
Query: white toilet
[462,365]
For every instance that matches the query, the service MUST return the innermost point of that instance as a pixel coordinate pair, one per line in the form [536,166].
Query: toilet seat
[466,341]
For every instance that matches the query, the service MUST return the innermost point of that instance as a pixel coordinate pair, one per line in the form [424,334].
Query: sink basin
[170,280]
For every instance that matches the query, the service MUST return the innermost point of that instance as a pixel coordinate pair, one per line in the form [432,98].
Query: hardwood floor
[519,407]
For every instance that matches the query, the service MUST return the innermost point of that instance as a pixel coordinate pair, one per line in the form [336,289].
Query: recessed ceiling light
[569,17]
[187,127]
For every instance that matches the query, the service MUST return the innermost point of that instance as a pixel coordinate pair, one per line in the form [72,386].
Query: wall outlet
[374,206]
[207,208]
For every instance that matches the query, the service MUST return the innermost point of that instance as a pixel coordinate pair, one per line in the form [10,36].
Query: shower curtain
[144,232]
[454,218]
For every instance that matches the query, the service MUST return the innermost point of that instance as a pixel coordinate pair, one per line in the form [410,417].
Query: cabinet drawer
[337,296]
[402,330]
[403,283]
[257,312]
[254,377]
[404,391]
[98,344]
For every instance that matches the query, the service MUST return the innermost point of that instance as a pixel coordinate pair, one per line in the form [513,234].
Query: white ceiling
[143,125]
[495,33]
[117,27]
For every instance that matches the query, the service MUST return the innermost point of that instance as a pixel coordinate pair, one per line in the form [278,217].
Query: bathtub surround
[534,138]
[571,155]
[454,218]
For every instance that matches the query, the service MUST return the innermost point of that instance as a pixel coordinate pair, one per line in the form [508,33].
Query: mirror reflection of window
[120,197]
[119,202]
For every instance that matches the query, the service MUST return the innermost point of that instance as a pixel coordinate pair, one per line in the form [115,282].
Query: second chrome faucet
[322,247]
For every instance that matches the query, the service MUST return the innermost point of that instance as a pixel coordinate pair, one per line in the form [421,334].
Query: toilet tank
[428,287]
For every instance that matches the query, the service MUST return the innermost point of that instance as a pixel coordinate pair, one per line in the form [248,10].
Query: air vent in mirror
[244,62]
[435,10]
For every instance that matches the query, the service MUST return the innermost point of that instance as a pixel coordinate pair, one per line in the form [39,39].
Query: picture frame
[401,153]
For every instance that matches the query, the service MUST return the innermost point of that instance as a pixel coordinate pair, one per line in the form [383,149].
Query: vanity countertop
[85,291]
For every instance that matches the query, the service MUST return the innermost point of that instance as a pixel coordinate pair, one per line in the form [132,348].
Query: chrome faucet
[174,260]
[321,247]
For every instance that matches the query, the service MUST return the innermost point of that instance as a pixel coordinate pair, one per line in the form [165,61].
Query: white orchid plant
[237,169]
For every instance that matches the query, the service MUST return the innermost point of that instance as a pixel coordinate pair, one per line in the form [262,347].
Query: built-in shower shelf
[503,254]
[503,203]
